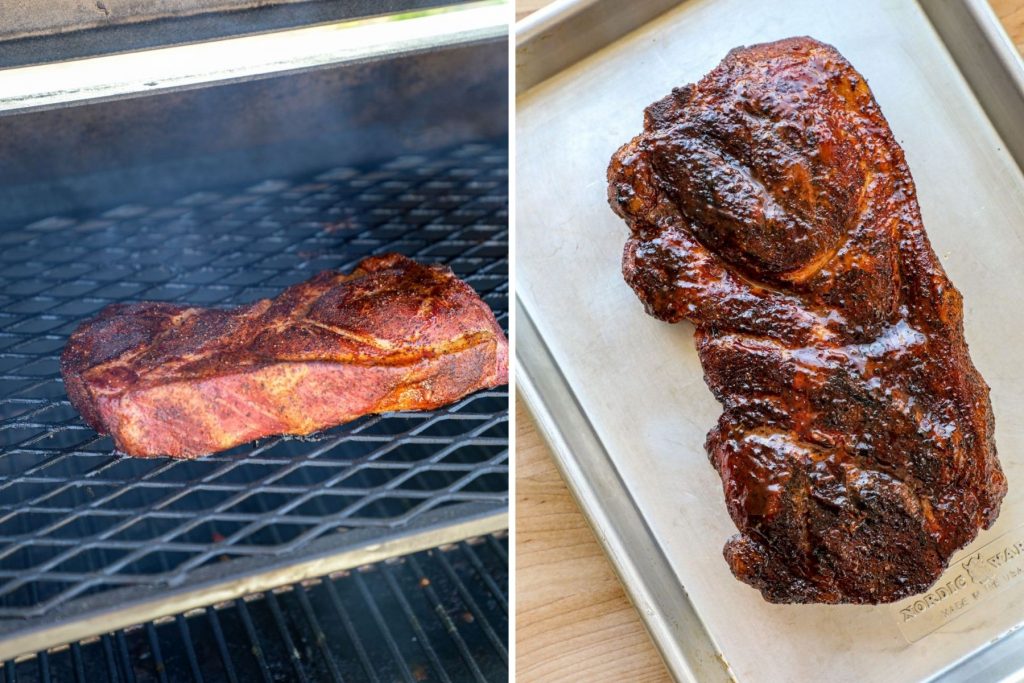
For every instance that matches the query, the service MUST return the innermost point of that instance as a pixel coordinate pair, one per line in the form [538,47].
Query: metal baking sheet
[620,395]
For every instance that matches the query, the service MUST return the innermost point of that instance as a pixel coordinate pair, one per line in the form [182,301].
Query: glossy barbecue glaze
[166,379]
[770,205]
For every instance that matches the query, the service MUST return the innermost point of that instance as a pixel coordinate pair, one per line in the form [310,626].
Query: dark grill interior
[440,615]
[77,519]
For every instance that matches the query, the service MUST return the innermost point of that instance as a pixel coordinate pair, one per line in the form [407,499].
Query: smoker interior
[439,615]
[77,519]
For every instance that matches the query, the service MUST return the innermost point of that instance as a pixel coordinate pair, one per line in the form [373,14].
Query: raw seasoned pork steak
[166,379]
[770,205]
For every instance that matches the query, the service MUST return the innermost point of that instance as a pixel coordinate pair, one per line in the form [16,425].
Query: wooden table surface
[573,620]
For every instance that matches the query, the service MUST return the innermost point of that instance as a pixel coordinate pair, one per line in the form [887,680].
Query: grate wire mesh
[423,617]
[76,519]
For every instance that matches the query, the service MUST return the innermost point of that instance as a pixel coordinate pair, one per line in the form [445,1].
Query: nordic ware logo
[979,570]
[992,570]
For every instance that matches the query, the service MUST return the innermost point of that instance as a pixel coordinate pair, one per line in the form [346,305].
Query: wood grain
[573,619]
[1011,12]
[524,7]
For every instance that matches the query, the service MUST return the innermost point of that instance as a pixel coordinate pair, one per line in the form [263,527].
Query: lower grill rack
[439,615]
[84,531]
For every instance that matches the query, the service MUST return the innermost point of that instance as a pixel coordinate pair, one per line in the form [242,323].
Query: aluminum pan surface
[639,380]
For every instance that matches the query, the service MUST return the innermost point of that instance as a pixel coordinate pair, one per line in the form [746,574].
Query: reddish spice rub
[166,379]
[770,205]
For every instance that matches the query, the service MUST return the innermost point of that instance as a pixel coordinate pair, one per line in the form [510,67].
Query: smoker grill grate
[77,520]
[440,615]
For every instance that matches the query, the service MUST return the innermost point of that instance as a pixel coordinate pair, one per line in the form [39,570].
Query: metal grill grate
[440,615]
[77,520]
